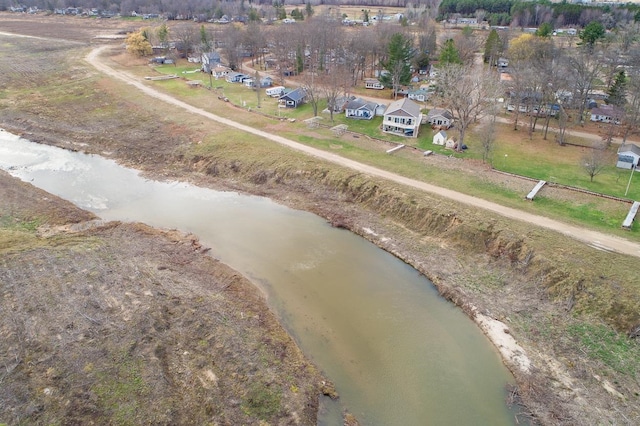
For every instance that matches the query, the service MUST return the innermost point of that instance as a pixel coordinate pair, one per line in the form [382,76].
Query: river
[397,352]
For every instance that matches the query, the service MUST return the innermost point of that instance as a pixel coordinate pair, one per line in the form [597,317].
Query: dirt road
[595,239]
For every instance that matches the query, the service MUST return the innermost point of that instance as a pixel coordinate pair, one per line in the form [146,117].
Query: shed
[628,156]
[440,138]
[373,83]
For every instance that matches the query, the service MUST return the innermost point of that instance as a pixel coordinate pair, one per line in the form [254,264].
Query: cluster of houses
[402,117]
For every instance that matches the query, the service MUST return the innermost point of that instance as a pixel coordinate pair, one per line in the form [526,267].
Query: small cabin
[373,83]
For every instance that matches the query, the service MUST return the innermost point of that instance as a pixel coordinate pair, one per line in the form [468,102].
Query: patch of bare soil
[80,29]
[125,324]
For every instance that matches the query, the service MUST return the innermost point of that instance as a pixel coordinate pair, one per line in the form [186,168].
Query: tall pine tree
[449,53]
[399,55]
[618,90]
[492,48]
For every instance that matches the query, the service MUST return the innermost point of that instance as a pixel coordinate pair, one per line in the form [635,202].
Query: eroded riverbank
[540,284]
[122,323]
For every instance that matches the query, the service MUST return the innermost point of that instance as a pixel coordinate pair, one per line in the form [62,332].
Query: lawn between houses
[514,152]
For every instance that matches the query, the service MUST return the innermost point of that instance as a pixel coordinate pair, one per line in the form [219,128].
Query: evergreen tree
[492,48]
[545,30]
[399,54]
[299,60]
[618,90]
[254,16]
[593,32]
[163,36]
[297,14]
[204,39]
[449,53]
[309,9]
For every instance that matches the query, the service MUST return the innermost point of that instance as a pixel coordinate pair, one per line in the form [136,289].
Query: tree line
[534,13]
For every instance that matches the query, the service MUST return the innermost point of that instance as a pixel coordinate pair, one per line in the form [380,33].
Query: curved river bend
[397,352]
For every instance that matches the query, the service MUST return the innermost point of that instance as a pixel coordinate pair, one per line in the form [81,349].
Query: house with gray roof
[439,117]
[236,77]
[607,114]
[209,61]
[402,117]
[420,95]
[293,98]
[360,109]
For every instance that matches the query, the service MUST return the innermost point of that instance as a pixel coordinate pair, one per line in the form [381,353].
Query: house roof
[403,107]
[439,112]
[629,147]
[441,133]
[212,56]
[361,103]
[608,110]
[236,75]
[420,91]
[294,95]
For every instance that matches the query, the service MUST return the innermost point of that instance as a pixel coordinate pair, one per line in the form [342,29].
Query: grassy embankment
[558,296]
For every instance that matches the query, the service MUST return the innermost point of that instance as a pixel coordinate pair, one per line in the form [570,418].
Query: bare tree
[283,42]
[595,160]
[584,67]
[488,136]
[232,41]
[467,44]
[466,93]
[335,85]
[356,52]
[186,39]
[253,40]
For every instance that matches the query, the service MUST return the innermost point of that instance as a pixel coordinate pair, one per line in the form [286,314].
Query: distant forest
[534,13]
[175,7]
[519,13]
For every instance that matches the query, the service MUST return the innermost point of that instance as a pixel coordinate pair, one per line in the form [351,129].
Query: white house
[438,117]
[275,92]
[220,71]
[360,109]
[402,117]
[373,83]
[236,77]
[420,95]
[628,156]
[607,114]
[440,138]
[209,60]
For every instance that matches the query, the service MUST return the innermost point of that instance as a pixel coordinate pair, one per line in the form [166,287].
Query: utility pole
[633,167]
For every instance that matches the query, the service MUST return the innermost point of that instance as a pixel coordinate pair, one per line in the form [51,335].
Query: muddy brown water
[397,352]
